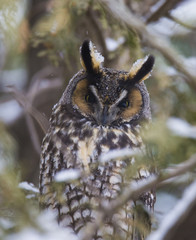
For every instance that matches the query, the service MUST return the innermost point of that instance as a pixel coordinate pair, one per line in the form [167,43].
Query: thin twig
[33,133]
[30,112]
[119,11]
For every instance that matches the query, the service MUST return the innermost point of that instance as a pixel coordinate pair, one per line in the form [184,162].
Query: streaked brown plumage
[101,110]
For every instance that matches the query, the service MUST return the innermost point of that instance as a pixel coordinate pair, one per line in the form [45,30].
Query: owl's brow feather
[123,94]
[95,92]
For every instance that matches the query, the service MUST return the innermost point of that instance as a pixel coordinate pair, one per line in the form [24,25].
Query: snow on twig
[114,154]
[49,230]
[133,191]
[67,175]
[181,128]
[28,187]
[119,11]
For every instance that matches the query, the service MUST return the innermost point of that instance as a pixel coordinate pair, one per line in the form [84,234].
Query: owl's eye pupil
[89,98]
[123,104]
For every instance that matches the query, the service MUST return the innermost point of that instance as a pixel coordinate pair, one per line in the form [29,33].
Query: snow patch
[185,7]
[10,111]
[67,175]
[155,7]
[28,186]
[113,154]
[112,44]
[191,64]
[164,203]
[182,128]
[168,27]
[6,224]
[49,230]
[15,77]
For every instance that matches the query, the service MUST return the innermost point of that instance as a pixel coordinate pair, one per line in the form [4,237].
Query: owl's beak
[104,116]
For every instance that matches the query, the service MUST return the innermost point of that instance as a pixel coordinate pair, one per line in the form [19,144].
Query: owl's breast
[79,142]
[90,142]
[79,145]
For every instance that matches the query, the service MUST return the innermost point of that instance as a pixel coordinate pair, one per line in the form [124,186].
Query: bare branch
[41,81]
[119,11]
[24,102]
[163,10]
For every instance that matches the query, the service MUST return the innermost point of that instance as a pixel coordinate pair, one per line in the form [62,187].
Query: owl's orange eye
[124,104]
[90,98]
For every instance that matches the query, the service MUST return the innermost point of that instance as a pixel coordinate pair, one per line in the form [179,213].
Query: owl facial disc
[109,97]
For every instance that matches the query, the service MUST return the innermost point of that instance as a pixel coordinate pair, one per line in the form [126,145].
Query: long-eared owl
[101,110]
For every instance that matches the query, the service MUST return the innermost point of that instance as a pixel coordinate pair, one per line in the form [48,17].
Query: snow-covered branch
[136,189]
[119,11]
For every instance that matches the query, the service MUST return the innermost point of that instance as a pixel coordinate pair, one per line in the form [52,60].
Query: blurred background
[39,53]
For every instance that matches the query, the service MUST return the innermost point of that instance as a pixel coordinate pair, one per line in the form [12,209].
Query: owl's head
[106,96]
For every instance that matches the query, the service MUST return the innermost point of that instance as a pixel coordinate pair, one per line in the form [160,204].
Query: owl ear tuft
[141,69]
[90,59]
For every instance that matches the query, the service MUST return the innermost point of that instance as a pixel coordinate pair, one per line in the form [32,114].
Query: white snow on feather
[113,154]
[112,44]
[134,185]
[97,55]
[67,175]
[28,186]
[144,173]
[181,127]
[179,210]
